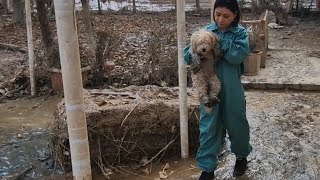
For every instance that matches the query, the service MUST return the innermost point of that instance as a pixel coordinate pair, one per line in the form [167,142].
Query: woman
[230,113]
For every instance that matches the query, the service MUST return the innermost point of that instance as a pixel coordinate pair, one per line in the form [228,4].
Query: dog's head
[203,42]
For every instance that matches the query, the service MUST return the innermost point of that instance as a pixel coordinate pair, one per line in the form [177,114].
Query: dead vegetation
[143,49]
[136,125]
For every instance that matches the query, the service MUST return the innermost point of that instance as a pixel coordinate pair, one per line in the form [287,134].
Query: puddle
[23,137]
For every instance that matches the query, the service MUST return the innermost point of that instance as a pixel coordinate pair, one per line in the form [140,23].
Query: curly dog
[205,53]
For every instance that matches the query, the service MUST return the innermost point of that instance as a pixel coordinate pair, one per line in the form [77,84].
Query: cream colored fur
[205,80]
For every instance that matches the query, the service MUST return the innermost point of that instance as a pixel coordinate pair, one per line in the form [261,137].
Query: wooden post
[30,47]
[212,2]
[73,88]
[318,5]
[181,31]
[266,29]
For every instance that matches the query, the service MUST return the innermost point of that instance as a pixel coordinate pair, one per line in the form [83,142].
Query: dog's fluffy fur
[205,53]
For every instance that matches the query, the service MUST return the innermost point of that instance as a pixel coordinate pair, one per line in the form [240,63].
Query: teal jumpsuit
[230,113]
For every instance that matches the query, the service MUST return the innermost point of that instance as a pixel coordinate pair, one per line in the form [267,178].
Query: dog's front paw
[210,102]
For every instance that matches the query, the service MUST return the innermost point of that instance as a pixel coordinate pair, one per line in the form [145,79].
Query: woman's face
[223,17]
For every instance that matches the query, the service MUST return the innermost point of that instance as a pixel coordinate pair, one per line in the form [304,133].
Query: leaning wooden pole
[181,31]
[73,88]
[30,47]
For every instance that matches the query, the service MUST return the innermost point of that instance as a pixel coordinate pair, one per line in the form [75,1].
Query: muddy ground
[285,126]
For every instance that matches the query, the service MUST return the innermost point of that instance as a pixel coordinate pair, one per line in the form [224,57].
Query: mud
[285,126]
[285,129]
[24,137]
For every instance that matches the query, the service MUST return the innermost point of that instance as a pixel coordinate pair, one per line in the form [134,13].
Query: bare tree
[197,5]
[4,5]
[44,24]
[88,25]
[30,47]
[51,47]
[18,12]
[275,6]
[134,6]
[99,7]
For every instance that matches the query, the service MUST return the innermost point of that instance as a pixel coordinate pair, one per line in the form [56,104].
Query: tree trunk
[73,89]
[134,6]
[99,7]
[50,6]
[51,47]
[4,4]
[198,5]
[181,31]
[18,12]
[10,5]
[88,25]
[98,67]
[44,24]
[30,47]
[289,6]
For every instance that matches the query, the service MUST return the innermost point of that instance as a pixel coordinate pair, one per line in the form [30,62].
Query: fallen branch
[21,175]
[110,93]
[13,47]
[166,147]
[130,113]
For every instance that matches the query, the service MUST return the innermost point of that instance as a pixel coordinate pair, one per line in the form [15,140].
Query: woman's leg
[210,126]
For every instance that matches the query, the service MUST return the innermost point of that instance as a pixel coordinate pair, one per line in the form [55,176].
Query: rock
[290,135]
[274,26]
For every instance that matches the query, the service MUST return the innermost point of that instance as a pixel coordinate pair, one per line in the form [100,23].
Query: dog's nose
[203,49]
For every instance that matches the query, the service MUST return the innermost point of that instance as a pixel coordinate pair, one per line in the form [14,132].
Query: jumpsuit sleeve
[187,55]
[236,51]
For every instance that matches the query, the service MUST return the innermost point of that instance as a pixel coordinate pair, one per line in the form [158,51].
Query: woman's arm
[187,55]
[235,52]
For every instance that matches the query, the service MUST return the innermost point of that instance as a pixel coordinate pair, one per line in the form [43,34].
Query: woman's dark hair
[232,5]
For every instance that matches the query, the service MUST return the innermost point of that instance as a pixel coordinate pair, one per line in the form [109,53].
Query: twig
[101,166]
[130,112]
[110,93]
[23,173]
[165,150]
[196,116]
[160,151]
[99,163]
[119,150]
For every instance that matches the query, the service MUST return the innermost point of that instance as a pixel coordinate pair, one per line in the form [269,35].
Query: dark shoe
[207,175]
[240,167]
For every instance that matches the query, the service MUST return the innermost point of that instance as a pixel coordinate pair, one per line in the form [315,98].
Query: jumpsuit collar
[232,29]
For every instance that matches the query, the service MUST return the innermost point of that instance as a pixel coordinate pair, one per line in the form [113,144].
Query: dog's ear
[193,41]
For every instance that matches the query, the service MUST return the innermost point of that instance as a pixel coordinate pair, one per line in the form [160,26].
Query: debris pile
[128,125]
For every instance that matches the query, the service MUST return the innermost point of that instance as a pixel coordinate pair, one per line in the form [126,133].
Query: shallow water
[23,137]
